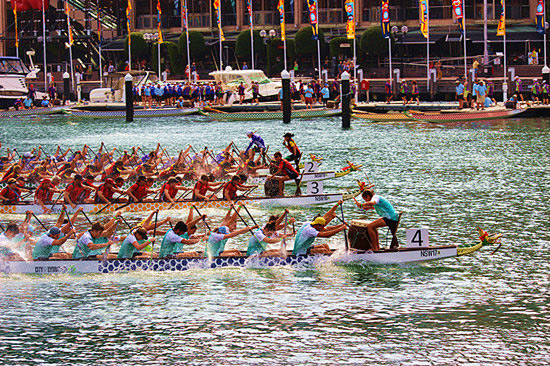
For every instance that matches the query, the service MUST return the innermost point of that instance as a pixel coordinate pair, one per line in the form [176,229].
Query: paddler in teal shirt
[388,216]
[305,237]
[173,237]
[261,238]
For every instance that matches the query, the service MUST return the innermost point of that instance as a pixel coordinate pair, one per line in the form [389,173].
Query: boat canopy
[12,65]
[234,77]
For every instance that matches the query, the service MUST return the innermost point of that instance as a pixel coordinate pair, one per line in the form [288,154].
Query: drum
[357,235]
[271,187]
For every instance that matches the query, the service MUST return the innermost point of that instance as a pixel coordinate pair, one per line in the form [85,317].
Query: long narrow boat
[313,176]
[31,112]
[303,200]
[383,117]
[395,256]
[257,116]
[464,116]
[138,113]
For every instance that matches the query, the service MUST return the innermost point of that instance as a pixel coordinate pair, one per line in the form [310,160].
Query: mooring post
[66,90]
[129,96]
[287,108]
[346,99]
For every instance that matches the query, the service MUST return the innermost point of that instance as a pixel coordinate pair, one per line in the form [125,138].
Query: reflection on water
[480,309]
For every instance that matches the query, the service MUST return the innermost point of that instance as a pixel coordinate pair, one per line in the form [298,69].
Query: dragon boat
[257,116]
[383,117]
[138,113]
[287,201]
[458,116]
[31,112]
[338,257]
[313,176]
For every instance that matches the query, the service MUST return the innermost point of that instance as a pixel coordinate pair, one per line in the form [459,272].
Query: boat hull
[464,117]
[304,200]
[308,177]
[257,116]
[139,113]
[401,256]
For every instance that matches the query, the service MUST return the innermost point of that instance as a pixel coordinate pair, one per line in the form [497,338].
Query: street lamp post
[267,41]
[150,38]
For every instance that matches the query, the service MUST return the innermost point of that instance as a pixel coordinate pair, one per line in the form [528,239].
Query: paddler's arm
[331,213]
[329,233]
[67,197]
[144,244]
[61,241]
[194,222]
[130,194]
[240,231]
[99,246]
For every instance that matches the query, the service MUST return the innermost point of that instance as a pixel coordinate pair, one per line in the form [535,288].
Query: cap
[319,221]
[11,180]
[223,230]
[249,133]
[27,155]
[54,231]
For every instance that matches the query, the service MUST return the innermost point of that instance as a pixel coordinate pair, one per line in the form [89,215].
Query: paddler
[93,242]
[11,194]
[295,153]
[49,243]
[105,192]
[8,243]
[262,237]
[45,191]
[305,237]
[173,237]
[215,246]
[75,191]
[383,208]
[133,243]
[139,190]
[257,145]
[170,189]
[230,188]
[285,171]
[202,187]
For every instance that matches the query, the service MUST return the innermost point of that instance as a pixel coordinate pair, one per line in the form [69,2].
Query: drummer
[383,208]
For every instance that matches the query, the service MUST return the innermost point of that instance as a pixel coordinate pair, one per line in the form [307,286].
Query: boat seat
[231,253]
[147,256]
[272,253]
[320,249]
[188,255]
[394,242]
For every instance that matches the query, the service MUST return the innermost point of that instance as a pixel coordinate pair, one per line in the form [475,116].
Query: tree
[197,47]
[168,50]
[139,47]
[336,49]
[373,43]
[304,44]
[242,46]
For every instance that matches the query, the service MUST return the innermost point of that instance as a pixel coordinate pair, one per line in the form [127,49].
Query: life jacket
[107,192]
[231,189]
[138,191]
[172,191]
[76,193]
[290,148]
[288,168]
[12,195]
[203,188]
[45,194]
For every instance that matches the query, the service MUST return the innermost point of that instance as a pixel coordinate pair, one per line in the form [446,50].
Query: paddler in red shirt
[11,194]
[105,192]
[285,171]
[75,192]
[139,190]
[230,188]
[44,193]
[170,189]
[202,186]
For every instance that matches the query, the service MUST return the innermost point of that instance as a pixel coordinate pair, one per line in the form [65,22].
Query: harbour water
[479,309]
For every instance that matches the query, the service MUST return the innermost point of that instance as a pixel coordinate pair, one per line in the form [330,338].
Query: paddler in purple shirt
[255,140]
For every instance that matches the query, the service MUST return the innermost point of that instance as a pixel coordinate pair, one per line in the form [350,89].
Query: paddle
[244,222]
[40,222]
[86,216]
[181,197]
[72,227]
[249,215]
[345,231]
[106,252]
[109,204]
[283,243]
[203,220]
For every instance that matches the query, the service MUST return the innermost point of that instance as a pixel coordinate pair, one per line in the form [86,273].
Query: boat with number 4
[340,257]
[287,201]
[458,116]
[258,116]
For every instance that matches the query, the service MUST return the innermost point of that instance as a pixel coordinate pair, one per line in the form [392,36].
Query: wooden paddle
[345,231]
[40,222]
[204,220]
[283,243]
[210,109]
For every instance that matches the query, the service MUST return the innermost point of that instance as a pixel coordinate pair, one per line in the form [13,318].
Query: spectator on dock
[545,89]
[403,91]
[326,94]
[27,102]
[535,91]
[415,93]
[52,91]
[389,93]
[245,66]
[518,88]
[491,91]
[45,103]
[481,95]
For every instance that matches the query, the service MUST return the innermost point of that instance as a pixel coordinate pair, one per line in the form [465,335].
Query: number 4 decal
[418,238]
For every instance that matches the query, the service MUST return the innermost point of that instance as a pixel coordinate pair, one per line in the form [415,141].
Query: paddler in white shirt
[93,242]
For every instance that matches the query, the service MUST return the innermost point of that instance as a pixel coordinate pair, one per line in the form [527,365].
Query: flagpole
[187,39]
[99,36]
[428,43]
[464,40]
[355,63]
[505,84]
[284,53]
[319,56]
[544,28]
[70,45]
[220,34]
[44,41]
[389,48]
[251,33]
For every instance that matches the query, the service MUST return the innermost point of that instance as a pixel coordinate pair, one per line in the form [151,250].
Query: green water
[479,309]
